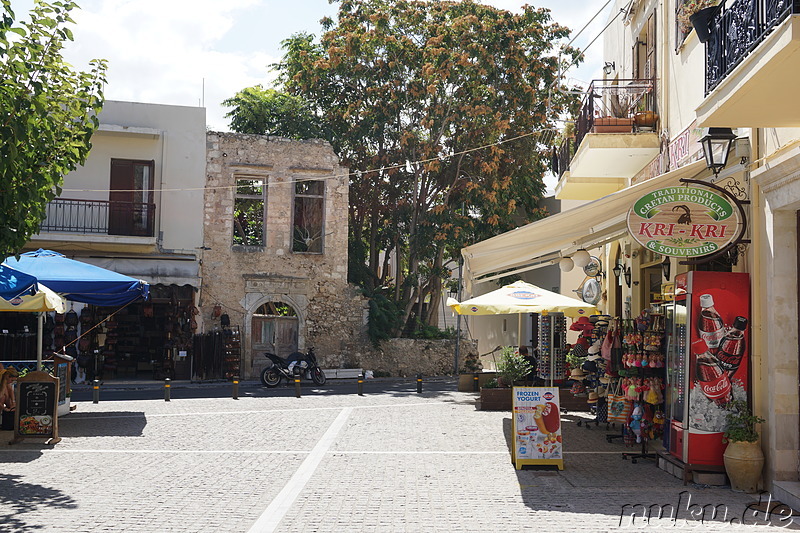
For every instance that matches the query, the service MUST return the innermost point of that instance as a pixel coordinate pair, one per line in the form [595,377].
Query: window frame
[322,198]
[263,197]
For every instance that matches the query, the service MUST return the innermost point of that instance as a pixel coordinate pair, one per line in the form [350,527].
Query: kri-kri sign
[683,221]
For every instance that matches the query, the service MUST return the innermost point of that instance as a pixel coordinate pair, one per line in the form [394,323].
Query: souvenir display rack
[643,368]
[552,338]
[233,352]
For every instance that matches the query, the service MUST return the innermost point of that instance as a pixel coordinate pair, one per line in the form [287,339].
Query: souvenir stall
[69,332]
[619,368]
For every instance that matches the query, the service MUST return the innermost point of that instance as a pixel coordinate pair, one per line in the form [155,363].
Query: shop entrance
[275,329]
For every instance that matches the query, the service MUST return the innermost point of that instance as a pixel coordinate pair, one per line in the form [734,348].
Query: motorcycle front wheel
[270,377]
[318,376]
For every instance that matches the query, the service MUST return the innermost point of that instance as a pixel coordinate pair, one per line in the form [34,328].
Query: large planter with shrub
[512,369]
[743,457]
[743,464]
[497,399]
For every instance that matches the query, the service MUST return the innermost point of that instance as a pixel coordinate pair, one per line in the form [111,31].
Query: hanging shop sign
[537,427]
[684,221]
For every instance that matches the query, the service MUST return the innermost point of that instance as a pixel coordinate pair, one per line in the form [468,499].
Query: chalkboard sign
[37,412]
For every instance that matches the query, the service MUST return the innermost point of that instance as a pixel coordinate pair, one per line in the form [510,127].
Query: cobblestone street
[391,461]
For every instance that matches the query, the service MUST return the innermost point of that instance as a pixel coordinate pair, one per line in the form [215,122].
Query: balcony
[615,137]
[111,225]
[752,66]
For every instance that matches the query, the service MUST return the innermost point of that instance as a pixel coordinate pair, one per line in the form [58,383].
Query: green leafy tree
[442,111]
[271,112]
[48,113]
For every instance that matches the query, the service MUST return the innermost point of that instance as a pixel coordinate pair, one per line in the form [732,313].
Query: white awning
[543,242]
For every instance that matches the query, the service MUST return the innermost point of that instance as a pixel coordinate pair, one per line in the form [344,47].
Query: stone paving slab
[400,462]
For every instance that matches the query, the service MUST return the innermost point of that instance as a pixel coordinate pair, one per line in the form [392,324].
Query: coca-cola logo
[716,388]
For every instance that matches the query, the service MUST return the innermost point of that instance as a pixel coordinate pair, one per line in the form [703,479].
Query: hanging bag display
[619,405]
[71,319]
[608,344]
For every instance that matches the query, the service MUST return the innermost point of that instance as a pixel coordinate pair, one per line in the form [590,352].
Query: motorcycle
[304,363]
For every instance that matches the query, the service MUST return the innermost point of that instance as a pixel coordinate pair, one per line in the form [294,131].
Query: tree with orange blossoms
[442,111]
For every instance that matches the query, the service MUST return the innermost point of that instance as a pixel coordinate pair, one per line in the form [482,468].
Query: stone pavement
[384,462]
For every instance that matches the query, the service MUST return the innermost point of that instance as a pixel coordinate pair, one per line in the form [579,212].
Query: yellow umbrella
[43,300]
[522,297]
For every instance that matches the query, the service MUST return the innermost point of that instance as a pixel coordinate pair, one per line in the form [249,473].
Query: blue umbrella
[78,281]
[14,283]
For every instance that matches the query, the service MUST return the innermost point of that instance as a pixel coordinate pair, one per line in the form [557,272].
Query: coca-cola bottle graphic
[710,326]
[714,383]
[731,349]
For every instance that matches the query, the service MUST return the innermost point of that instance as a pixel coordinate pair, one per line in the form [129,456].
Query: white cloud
[184,52]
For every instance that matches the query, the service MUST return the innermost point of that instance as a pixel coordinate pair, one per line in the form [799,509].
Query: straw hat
[577,373]
[593,397]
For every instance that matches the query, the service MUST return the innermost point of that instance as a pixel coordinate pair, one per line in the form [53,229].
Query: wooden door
[276,334]
[130,196]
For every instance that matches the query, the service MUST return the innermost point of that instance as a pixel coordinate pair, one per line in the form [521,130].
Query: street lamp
[627,274]
[716,145]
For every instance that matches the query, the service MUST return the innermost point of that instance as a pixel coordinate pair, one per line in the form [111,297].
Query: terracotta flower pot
[743,464]
[613,125]
[645,119]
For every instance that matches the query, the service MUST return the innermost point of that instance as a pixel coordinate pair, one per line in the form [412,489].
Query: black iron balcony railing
[563,156]
[611,106]
[100,217]
[738,29]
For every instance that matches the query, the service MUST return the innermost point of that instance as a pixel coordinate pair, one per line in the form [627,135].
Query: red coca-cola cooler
[707,361]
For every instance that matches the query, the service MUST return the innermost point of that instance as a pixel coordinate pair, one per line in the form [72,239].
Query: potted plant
[697,14]
[512,368]
[644,118]
[619,119]
[743,457]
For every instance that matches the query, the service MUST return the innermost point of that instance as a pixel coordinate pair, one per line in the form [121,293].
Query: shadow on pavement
[19,499]
[106,424]
[596,480]
[396,387]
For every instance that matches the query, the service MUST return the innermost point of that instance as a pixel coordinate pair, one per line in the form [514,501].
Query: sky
[200,52]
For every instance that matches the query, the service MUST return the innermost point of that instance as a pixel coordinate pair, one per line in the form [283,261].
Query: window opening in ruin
[249,211]
[308,218]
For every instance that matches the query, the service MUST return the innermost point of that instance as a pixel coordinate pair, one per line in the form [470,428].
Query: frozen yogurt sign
[683,221]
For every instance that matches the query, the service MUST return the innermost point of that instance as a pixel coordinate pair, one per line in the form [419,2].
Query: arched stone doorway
[274,328]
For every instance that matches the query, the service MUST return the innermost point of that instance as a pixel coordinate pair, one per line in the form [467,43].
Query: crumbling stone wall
[332,315]
[241,278]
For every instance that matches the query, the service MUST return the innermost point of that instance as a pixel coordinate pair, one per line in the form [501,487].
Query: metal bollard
[96,391]
[297,382]
[419,383]
[166,389]
[235,387]
[475,384]
[361,384]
